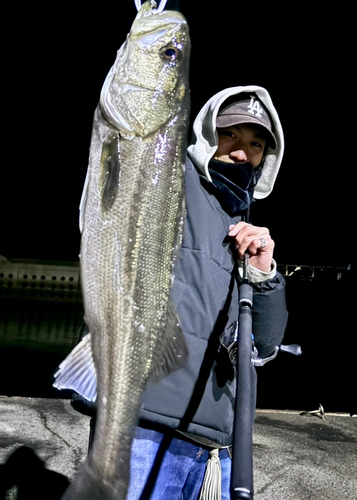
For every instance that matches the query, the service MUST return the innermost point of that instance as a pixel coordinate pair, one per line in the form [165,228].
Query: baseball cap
[247,110]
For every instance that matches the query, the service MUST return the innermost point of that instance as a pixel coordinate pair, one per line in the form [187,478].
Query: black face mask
[235,183]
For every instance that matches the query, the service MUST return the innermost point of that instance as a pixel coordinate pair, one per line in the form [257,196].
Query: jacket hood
[205,139]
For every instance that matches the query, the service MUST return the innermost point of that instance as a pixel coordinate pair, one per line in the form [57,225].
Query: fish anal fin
[77,372]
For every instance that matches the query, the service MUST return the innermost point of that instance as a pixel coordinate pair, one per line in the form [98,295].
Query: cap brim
[231,120]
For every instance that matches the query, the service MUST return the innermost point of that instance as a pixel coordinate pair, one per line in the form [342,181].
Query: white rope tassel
[212,482]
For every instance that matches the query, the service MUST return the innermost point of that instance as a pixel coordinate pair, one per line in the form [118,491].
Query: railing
[40,303]
[311,272]
[43,281]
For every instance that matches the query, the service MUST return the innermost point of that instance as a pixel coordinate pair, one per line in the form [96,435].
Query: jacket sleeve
[269,314]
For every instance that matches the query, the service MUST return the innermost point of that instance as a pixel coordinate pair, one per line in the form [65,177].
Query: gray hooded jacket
[199,397]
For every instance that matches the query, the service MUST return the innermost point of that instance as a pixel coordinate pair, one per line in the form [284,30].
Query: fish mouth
[147,13]
[155,27]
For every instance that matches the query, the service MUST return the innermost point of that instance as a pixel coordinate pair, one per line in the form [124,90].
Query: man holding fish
[163,239]
[233,159]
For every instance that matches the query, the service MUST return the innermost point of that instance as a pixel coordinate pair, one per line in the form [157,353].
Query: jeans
[166,468]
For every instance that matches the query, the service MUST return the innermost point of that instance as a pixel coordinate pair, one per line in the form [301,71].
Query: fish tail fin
[88,485]
[77,371]
[173,351]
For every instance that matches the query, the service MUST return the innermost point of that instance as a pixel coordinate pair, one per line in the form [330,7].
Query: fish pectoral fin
[77,371]
[172,351]
[110,167]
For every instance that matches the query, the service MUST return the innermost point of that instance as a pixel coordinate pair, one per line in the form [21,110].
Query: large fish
[133,216]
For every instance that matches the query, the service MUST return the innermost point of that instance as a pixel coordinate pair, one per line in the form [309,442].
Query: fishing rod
[244,356]
[242,447]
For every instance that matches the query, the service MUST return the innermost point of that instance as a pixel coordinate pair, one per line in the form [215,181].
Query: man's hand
[257,241]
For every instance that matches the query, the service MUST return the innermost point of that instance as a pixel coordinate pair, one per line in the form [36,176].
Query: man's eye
[257,144]
[227,133]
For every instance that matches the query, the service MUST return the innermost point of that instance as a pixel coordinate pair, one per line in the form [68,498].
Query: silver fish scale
[127,294]
[132,232]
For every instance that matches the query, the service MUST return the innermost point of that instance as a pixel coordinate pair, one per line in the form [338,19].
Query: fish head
[148,84]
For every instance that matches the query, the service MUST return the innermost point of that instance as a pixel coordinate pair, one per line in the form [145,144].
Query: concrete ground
[296,456]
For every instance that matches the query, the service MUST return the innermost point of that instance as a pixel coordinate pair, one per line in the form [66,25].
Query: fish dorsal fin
[173,351]
[77,372]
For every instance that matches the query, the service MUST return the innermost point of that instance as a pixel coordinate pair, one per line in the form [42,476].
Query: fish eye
[171,53]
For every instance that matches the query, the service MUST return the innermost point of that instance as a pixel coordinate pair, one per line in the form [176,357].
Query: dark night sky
[56,62]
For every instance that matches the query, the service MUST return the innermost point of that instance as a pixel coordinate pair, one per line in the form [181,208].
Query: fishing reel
[230,342]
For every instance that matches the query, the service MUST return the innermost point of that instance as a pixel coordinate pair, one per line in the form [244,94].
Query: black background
[55,62]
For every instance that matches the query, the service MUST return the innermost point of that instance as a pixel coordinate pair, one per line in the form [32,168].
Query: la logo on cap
[254,107]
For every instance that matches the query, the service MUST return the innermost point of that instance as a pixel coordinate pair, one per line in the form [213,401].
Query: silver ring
[263,243]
